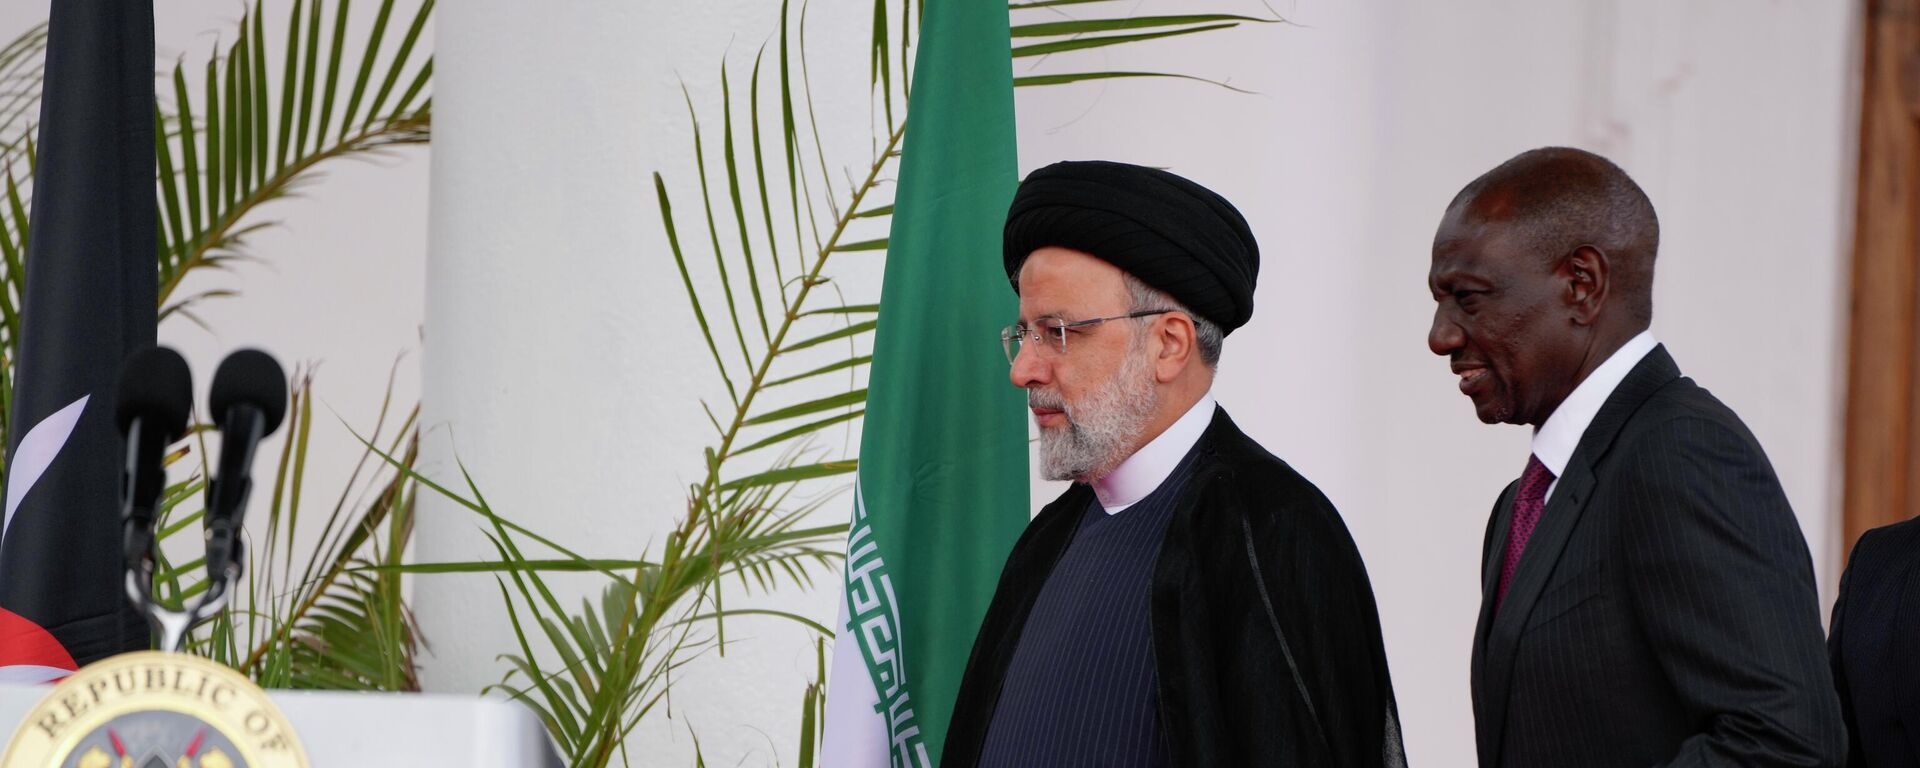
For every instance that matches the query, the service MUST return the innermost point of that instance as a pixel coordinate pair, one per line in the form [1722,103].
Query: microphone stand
[171,625]
[137,520]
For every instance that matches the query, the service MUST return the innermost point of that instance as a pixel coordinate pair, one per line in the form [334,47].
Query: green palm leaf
[22,66]
[330,617]
[222,151]
[230,152]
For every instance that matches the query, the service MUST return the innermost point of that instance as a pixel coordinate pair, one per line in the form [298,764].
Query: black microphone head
[249,377]
[156,387]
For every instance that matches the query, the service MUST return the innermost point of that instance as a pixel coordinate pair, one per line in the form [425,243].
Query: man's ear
[1178,345]
[1588,275]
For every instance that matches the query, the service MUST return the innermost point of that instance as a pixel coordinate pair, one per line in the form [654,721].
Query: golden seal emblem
[155,710]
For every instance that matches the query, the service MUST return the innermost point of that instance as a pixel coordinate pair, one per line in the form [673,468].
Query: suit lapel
[1550,536]
[1497,532]
[1498,636]
[1497,526]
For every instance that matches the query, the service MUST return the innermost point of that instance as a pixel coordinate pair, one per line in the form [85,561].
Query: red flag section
[28,653]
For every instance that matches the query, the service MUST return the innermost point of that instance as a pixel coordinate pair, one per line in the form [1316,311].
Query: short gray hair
[1207,334]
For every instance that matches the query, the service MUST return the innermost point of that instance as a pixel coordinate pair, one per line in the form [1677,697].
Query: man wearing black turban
[1190,600]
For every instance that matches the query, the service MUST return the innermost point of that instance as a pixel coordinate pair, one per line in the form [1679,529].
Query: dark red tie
[1526,514]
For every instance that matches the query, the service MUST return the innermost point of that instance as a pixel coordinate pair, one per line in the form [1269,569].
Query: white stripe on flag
[36,453]
[856,730]
[27,673]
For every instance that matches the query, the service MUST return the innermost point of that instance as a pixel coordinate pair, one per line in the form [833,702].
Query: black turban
[1169,232]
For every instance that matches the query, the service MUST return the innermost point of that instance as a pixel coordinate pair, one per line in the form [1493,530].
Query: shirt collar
[1148,467]
[1555,440]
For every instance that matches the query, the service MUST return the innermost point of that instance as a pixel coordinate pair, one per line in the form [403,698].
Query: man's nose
[1028,369]
[1445,336]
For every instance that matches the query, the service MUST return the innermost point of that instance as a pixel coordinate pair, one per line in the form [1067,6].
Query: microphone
[154,396]
[249,399]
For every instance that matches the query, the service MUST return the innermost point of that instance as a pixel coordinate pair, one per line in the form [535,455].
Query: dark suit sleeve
[1854,755]
[1325,607]
[1719,576]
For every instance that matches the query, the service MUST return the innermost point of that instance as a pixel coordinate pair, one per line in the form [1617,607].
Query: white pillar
[562,364]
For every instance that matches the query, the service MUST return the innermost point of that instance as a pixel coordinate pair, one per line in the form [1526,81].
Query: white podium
[378,730]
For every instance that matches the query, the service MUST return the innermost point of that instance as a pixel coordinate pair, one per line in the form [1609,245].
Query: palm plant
[330,617]
[21,67]
[617,656]
[225,144]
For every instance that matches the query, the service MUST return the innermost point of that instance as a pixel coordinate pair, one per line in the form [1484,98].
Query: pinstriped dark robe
[1266,643]
[1664,611]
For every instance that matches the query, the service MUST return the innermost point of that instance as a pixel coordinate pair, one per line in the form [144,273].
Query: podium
[377,730]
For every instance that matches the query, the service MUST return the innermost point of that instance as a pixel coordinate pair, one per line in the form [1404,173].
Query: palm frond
[615,657]
[357,636]
[221,149]
[330,617]
[227,151]
[1051,30]
[813,709]
[22,70]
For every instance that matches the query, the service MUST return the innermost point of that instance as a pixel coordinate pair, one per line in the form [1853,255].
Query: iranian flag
[942,491]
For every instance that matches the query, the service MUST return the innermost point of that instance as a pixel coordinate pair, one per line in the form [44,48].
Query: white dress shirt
[1148,467]
[1555,440]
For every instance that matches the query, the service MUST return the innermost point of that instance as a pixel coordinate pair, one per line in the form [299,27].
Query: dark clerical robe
[1079,690]
[1265,641]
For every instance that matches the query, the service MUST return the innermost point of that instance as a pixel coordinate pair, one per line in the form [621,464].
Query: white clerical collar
[1148,467]
[1555,440]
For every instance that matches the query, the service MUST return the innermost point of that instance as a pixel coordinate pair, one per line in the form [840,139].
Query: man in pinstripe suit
[1647,596]
[1875,646]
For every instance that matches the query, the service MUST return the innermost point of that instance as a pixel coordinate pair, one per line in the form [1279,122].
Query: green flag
[942,488]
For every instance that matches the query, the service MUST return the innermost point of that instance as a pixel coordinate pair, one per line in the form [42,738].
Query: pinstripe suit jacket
[1876,647]
[1664,611]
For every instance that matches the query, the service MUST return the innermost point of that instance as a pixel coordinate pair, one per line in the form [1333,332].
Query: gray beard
[1101,428]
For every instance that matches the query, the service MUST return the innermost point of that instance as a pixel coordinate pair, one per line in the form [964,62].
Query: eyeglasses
[1050,333]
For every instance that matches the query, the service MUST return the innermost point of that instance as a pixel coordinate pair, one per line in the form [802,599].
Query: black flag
[89,301]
